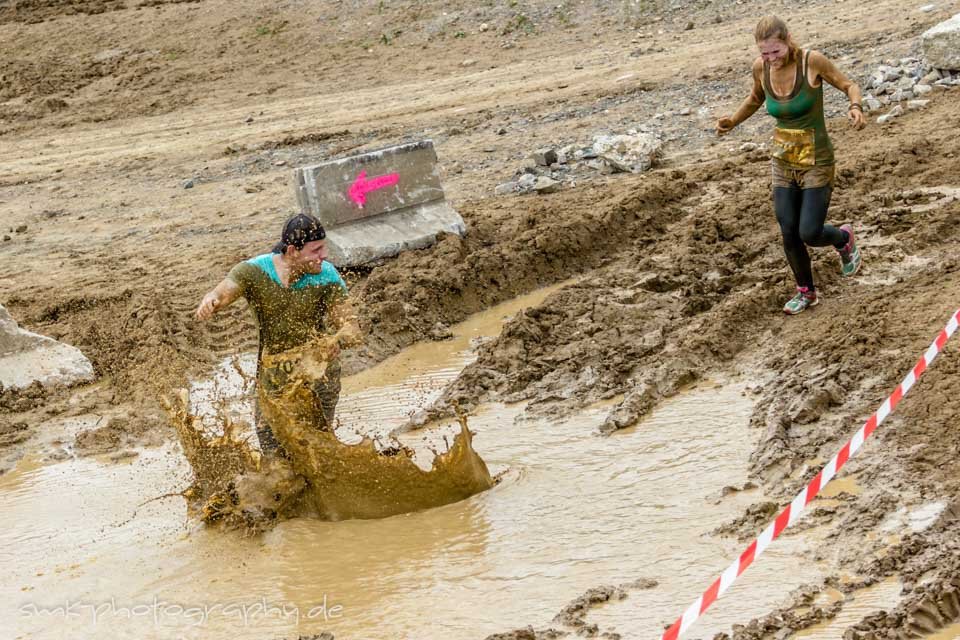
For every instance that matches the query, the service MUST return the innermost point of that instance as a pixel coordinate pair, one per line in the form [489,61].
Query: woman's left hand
[856,118]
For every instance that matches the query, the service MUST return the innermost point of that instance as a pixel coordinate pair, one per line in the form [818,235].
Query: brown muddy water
[951,632]
[574,511]
[861,603]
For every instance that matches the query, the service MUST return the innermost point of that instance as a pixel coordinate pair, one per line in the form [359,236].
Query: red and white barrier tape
[792,512]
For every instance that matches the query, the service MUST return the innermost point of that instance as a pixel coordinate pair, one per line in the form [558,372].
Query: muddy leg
[268,441]
[327,394]
[787,202]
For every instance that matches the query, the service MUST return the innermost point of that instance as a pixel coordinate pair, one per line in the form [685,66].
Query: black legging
[801,214]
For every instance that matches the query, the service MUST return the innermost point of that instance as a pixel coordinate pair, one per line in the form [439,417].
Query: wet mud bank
[706,297]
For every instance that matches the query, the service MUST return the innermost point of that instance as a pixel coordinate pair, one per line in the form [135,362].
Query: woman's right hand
[725,125]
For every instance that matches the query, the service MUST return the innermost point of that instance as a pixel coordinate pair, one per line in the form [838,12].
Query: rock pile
[551,168]
[905,79]
[904,83]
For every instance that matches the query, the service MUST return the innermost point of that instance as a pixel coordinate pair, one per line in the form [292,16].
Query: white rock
[629,153]
[871,104]
[941,44]
[927,8]
[526,182]
[917,104]
[900,95]
[896,112]
[27,357]
[892,73]
[747,147]
[906,82]
[922,89]
[546,185]
[505,188]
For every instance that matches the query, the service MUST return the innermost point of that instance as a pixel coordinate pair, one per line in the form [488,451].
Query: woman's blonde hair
[773,27]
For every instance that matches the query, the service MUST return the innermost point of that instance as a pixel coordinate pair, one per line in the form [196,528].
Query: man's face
[774,51]
[312,255]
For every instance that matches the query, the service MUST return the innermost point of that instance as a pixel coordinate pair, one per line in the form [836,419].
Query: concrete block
[941,44]
[27,357]
[377,204]
[383,236]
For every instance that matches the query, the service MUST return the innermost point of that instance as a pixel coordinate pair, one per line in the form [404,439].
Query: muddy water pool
[573,511]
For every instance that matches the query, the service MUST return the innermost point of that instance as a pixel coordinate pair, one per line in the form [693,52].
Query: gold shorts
[811,177]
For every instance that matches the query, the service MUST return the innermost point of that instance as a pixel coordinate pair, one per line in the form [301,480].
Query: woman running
[789,81]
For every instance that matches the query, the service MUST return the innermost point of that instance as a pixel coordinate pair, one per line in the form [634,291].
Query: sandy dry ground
[680,270]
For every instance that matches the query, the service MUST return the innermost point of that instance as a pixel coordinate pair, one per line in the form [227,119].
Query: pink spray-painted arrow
[361,186]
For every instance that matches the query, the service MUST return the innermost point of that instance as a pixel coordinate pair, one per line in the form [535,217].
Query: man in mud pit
[299,302]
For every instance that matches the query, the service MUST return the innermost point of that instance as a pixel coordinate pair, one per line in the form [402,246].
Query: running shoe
[798,304]
[849,255]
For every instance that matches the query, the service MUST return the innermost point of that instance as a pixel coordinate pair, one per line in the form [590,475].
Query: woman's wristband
[855,105]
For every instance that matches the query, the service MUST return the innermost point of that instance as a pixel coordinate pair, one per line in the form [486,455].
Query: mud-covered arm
[749,106]
[223,295]
[823,67]
[343,320]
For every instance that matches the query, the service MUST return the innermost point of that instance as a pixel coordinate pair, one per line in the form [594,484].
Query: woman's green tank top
[800,139]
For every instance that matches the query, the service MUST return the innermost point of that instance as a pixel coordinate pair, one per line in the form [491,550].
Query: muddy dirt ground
[108,108]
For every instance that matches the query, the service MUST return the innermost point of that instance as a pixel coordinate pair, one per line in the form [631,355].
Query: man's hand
[208,306]
[856,118]
[222,296]
[343,318]
[725,125]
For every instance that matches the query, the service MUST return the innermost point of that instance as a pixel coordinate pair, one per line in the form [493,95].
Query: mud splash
[320,476]
[346,481]
[232,483]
